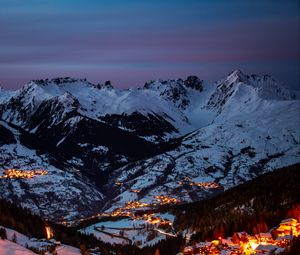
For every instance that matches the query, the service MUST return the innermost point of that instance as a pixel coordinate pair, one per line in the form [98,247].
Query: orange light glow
[288,229]
[49,233]
[22,174]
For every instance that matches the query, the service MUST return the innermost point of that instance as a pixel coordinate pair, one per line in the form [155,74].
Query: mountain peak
[237,76]
[191,81]
[106,85]
[265,85]
[194,82]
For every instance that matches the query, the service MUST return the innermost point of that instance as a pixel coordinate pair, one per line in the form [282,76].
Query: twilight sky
[132,41]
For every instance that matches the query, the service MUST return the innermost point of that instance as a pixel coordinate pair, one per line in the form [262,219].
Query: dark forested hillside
[23,221]
[253,207]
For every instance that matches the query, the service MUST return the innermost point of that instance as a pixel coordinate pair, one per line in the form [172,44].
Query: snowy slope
[93,102]
[7,247]
[53,195]
[181,103]
[135,231]
[10,248]
[249,134]
[92,136]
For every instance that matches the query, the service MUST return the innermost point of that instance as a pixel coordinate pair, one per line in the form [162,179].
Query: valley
[114,163]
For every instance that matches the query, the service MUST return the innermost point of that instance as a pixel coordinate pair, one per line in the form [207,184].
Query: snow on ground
[7,247]
[24,240]
[152,242]
[10,248]
[240,127]
[96,102]
[125,223]
[251,133]
[108,238]
[67,250]
[134,231]
[167,216]
[60,188]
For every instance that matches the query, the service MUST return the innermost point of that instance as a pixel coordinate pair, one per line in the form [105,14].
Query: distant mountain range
[168,137]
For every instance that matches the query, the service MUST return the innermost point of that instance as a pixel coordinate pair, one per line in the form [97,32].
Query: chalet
[243,244]
[283,241]
[227,242]
[253,242]
[227,252]
[288,227]
[264,238]
[213,249]
[267,249]
[188,250]
[203,247]
[288,222]
[240,237]
[235,249]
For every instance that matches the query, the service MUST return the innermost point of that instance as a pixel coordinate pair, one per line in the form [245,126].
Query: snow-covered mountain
[53,195]
[167,137]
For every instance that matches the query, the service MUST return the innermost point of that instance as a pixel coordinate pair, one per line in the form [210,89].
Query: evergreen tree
[3,234]
[14,237]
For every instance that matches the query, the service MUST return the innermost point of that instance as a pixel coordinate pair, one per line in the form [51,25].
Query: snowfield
[7,247]
[10,248]
[216,136]
[126,231]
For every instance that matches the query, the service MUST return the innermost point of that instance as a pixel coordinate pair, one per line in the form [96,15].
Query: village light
[261,243]
[22,174]
[49,233]
[253,244]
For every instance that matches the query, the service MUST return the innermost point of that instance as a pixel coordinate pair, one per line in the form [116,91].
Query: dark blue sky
[132,41]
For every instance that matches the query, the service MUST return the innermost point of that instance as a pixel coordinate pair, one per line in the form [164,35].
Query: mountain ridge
[150,138]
